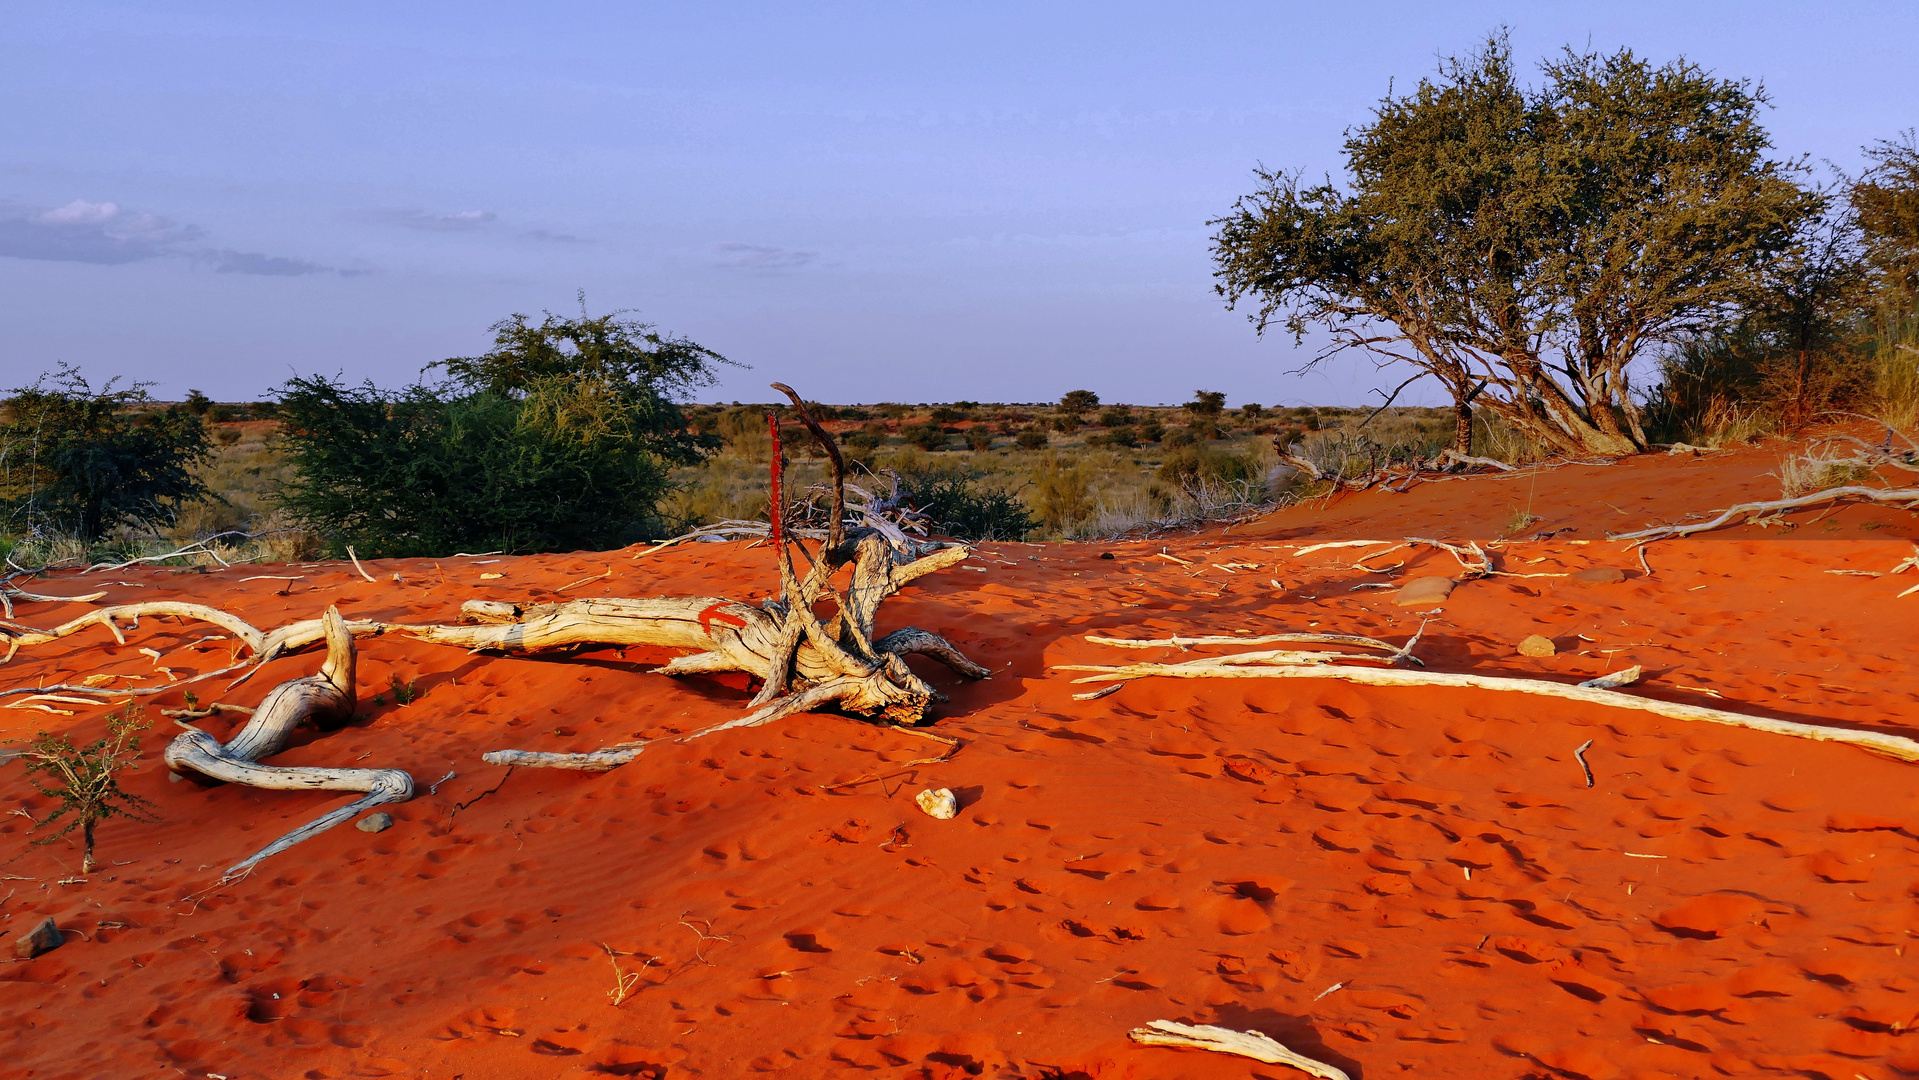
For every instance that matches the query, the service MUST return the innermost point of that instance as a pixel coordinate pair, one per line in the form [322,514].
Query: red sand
[1211,851]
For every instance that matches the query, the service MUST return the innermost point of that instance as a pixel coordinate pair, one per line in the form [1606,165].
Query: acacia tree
[1885,202]
[1078,401]
[1530,244]
[81,460]
[649,371]
[559,438]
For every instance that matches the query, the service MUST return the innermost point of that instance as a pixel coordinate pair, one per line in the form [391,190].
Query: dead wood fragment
[1472,558]
[356,565]
[1247,1044]
[1177,642]
[1279,665]
[1904,498]
[1449,456]
[804,663]
[18,636]
[322,699]
[1580,755]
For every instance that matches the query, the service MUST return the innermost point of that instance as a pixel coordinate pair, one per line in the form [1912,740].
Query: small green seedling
[86,779]
[404,693]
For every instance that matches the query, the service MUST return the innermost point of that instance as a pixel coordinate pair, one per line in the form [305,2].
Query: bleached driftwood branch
[1247,1044]
[1279,665]
[323,699]
[1904,498]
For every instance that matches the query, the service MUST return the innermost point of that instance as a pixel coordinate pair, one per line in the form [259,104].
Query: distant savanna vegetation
[1606,259]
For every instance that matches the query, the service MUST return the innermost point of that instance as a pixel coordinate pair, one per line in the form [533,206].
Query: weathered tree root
[1282,665]
[324,699]
[1247,1044]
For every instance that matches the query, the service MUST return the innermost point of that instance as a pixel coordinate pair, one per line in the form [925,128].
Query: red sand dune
[1722,902]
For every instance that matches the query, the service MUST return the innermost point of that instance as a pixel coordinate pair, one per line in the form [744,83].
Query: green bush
[78,461]
[925,436]
[1200,465]
[979,439]
[1031,439]
[1152,431]
[1117,416]
[429,472]
[867,439]
[1065,423]
[1063,494]
[960,506]
[558,439]
[1207,403]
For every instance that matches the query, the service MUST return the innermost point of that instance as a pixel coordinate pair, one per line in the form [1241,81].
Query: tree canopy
[1886,202]
[559,438]
[651,371]
[1078,401]
[1525,246]
[79,461]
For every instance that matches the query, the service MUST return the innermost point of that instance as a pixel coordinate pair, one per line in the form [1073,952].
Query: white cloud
[79,212]
[455,222]
[761,258]
[106,234]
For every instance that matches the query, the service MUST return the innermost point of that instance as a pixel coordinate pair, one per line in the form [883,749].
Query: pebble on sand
[1537,645]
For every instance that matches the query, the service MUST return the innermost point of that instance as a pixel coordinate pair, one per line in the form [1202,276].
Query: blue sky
[917,202]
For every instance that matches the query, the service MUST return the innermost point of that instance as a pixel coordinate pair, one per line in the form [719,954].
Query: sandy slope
[1722,902]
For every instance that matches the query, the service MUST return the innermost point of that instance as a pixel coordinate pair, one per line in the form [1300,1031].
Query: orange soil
[1399,882]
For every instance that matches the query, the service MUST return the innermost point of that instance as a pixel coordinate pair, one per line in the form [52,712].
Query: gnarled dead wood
[1277,665]
[323,699]
[1247,1044]
[804,662]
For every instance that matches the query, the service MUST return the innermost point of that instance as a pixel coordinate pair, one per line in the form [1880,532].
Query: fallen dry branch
[1472,558]
[1278,665]
[804,663]
[1309,549]
[18,636]
[323,699]
[1450,457]
[1247,1044]
[1904,498]
[1396,652]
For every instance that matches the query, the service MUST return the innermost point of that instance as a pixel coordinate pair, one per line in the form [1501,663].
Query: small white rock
[938,803]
